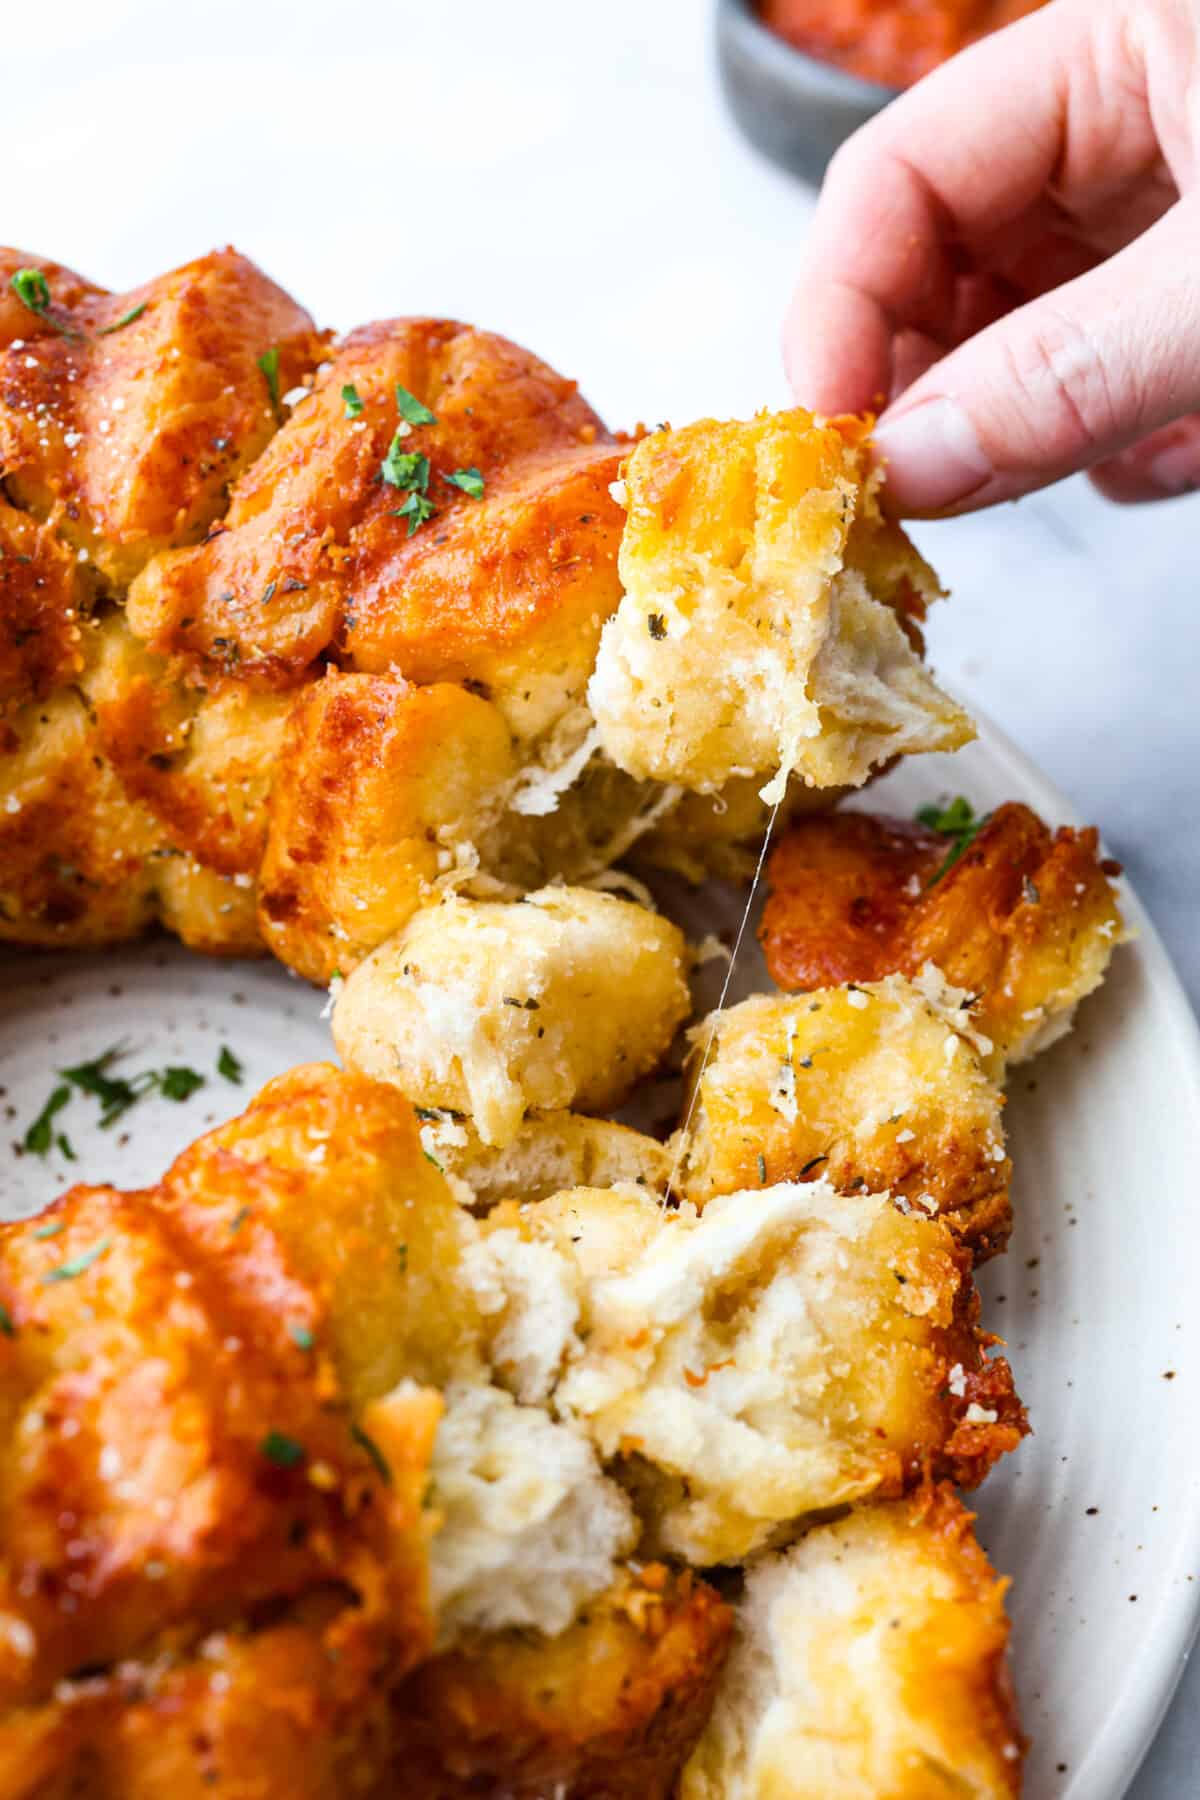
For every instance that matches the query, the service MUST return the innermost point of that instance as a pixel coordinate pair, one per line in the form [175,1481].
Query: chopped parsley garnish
[268,362]
[269,593]
[229,1066]
[469,481]
[416,509]
[402,1249]
[1029,890]
[762,1170]
[40,1134]
[180,1083]
[956,821]
[51,1230]
[282,1450]
[115,1094]
[301,1336]
[405,469]
[32,289]
[411,409]
[813,1162]
[656,625]
[78,1264]
[239,1218]
[135,312]
[351,401]
[6,1322]
[373,1451]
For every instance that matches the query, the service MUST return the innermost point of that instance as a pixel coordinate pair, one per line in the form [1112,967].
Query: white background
[565,173]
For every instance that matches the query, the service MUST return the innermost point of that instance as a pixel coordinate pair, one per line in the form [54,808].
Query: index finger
[968,151]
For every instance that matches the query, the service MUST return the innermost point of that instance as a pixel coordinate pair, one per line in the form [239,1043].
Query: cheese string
[681,1146]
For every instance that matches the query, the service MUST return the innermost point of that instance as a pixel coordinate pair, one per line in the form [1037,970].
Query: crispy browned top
[855,896]
[126,416]
[608,1710]
[44,597]
[313,550]
[181,1374]
[67,289]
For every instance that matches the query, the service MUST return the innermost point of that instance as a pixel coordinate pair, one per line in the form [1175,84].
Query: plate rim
[1119,1749]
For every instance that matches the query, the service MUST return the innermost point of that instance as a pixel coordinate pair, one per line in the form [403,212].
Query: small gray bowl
[793,107]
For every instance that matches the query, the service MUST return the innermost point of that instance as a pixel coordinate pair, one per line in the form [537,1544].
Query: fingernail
[932,455]
[1177,470]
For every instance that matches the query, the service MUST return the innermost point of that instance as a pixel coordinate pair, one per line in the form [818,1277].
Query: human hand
[1008,260]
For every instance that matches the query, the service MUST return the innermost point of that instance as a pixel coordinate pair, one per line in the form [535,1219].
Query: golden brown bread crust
[76,853]
[377,781]
[332,1165]
[144,1380]
[298,1707]
[834,1687]
[874,1088]
[606,1711]
[1024,921]
[311,554]
[128,438]
[199,1550]
[68,290]
[198,749]
[44,597]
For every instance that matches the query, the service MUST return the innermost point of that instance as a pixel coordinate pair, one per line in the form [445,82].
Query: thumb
[1069,380]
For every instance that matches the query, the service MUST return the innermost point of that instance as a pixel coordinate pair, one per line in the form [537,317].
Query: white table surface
[565,173]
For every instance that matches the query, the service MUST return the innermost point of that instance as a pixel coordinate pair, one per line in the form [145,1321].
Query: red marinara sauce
[890,41]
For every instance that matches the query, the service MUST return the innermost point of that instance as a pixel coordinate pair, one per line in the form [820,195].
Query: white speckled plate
[1097,1516]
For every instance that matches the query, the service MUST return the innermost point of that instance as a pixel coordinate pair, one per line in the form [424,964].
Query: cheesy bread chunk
[500,578]
[875,1087]
[126,416]
[605,1710]
[783,1352]
[761,631]
[497,1010]
[552,1151]
[869,1659]
[1024,920]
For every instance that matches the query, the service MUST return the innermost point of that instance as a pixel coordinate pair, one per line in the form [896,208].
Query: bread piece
[1024,922]
[550,1152]
[607,1710]
[77,855]
[129,434]
[528,1528]
[214,914]
[45,599]
[166,1366]
[297,1707]
[67,290]
[333,1165]
[202,759]
[876,1087]
[867,1660]
[505,590]
[750,640]
[496,1010]
[382,789]
[786,1351]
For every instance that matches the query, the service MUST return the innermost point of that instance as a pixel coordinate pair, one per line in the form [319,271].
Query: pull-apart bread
[298,634]
[427,1430]
[1022,921]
